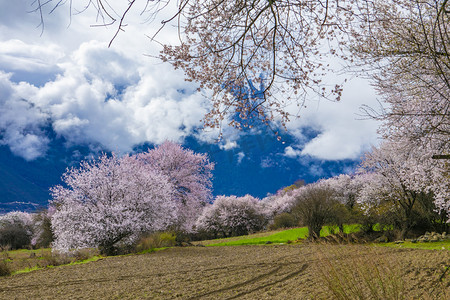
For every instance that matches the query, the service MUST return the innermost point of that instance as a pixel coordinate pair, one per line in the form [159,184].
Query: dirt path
[243,272]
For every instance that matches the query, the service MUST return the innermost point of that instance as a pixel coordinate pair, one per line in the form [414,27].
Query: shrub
[284,220]
[16,236]
[156,240]
[314,207]
[4,268]
[55,259]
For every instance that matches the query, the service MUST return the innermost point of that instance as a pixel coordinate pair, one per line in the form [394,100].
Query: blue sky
[65,87]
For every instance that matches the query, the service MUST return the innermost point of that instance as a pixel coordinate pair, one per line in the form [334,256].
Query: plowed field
[243,272]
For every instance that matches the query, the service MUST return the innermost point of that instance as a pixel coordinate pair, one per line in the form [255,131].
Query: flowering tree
[107,203]
[407,47]
[285,47]
[279,203]
[232,216]
[346,191]
[283,200]
[346,188]
[406,177]
[17,217]
[189,174]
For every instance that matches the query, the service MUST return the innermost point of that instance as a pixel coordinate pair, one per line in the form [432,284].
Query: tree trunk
[314,232]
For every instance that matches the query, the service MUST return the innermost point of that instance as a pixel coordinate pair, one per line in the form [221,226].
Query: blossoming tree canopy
[190,175]
[285,47]
[408,175]
[226,45]
[109,202]
[231,215]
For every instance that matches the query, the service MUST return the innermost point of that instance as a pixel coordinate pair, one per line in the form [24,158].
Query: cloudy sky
[63,82]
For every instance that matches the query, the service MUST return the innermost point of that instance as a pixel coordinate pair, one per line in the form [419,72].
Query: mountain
[256,166]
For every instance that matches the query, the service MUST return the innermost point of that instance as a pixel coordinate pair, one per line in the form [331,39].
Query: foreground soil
[304,271]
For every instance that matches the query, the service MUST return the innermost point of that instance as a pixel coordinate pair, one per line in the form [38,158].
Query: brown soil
[242,272]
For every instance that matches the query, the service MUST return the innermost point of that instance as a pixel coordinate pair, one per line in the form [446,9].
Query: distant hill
[255,167]
[19,193]
[25,185]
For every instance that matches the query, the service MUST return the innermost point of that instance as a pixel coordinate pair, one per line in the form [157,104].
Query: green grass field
[295,234]
[444,245]
[277,237]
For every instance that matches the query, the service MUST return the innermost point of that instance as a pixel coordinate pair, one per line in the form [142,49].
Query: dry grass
[363,275]
[4,268]
[367,272]
[24,260]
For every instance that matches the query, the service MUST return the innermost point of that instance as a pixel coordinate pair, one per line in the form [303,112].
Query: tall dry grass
[367,272]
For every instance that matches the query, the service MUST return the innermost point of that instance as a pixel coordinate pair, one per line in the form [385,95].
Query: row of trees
[381,197]
[393,189]
[111,202]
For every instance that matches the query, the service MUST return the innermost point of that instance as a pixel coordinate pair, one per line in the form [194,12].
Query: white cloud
[103,97]
[290,152]
[240,156]
[118,99]
[21,121]
[228,145]
[118,103]
[335,145]
[343,132]
[17,55]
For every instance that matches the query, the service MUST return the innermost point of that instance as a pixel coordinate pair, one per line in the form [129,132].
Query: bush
[314,208]
[284,220]
[156,240]
[4,268]
[16,236]
[55,259]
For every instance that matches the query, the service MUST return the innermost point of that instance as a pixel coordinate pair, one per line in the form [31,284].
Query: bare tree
[314,208]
